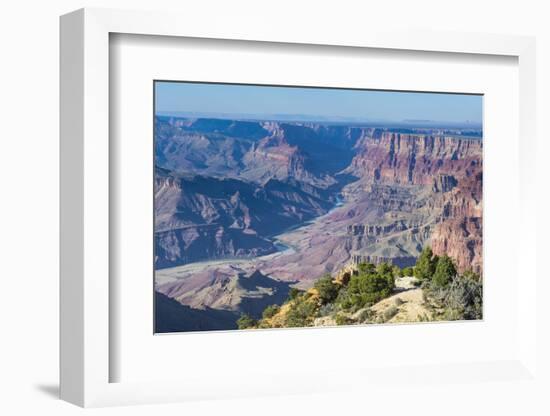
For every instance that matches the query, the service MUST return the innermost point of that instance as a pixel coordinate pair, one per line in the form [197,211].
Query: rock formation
[397,158]
[451,166]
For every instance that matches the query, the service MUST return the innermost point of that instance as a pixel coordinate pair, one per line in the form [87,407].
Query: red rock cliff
[451,166]
[414,158]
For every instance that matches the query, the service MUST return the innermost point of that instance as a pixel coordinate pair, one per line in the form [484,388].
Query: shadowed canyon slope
[244,209]
[200,218]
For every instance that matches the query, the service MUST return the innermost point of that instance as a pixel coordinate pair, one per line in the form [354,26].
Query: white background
[29,208]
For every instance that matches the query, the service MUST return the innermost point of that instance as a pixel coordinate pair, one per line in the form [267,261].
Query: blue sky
[326,103]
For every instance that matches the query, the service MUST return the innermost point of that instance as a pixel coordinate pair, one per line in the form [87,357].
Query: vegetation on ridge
[355,298]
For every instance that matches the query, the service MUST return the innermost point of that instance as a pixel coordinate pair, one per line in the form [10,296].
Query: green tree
[407,271]
[246,321]
[270,311]
[327,289]
[293,293]
[367,289]
[425,265]
[366,268]
[301,313]
[397,272]
[384,268]
[386,271]
[445,271]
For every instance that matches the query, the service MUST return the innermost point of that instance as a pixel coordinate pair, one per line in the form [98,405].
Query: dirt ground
[408,300]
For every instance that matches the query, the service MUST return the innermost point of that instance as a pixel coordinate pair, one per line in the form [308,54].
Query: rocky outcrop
[397,158]
[398,261]
[443,183]
[461,239]
[274,158]
[460,232]
[344,275]
[377,230]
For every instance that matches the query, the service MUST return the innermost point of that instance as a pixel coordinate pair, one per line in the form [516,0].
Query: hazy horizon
[316,104]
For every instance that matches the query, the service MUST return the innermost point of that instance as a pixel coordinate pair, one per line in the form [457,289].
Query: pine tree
[327,289]
[246,321]
[425,265]
[445,271]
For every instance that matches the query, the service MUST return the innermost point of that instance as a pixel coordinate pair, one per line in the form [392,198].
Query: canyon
[245,210]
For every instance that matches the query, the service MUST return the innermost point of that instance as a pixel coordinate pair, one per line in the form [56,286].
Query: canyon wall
[204,218]
[253,180]
[460,232]
[452,169]
[397,158]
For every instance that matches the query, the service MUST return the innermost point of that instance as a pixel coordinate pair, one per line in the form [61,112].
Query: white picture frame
[85,219]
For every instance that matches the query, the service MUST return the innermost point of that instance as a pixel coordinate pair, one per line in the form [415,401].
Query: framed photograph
[237,208]
[293,207]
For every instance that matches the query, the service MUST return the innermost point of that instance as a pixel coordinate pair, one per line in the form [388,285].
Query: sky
[337,104]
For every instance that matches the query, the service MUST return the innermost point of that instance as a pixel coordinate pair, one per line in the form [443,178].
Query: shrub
[366,316]
[326,310]
[398,302]
[366,268]
[343,320]
[396,271]
[445,272]
[407,272]
[264,324]
[327,289]
[390,313]
[384,268]
[424,318]
[425,265]
[451,314]
[467,296]
[461,299]
[469,274]
[293,293]
[426,295]
[246,321]
[270,311]
[301,313]
[344,300]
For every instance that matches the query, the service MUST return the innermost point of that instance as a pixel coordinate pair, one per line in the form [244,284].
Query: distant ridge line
[301,118]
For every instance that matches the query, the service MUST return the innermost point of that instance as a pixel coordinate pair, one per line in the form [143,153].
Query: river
[285,248]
